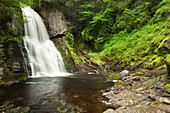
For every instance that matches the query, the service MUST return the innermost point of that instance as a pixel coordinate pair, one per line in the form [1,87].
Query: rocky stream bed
[141,92]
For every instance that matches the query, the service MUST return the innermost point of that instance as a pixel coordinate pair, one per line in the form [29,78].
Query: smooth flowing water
[45,59]
[39,94]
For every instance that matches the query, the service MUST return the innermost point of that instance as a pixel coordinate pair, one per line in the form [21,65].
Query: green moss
[96,58]
[156,62]
[167,87]
[118,84]
[63,107]
[152,82]
[168,57]
[113,76]
[116,77]
[77,58]
[2,82]
[22,78]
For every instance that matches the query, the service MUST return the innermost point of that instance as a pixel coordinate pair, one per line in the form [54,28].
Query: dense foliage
[10,25]
[125,31]
[138,34]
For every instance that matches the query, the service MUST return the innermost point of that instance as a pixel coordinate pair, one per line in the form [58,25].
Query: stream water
[81,90]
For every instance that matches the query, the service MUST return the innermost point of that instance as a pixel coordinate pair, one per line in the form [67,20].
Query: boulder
[124,73]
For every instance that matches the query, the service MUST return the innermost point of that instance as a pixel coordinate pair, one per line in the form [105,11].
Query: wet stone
[164,107]
[124,73]
[113,105]
[164,100]
[109,111]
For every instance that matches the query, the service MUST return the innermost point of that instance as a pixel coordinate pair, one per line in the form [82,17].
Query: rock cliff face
[55,22]
[12,67]
[57,27]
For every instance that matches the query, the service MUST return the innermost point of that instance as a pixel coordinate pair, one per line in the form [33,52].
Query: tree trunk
[39,4]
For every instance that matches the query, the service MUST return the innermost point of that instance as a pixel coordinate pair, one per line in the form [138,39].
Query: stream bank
[143,91]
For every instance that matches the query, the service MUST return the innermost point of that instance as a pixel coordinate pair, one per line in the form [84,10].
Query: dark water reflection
[80,90]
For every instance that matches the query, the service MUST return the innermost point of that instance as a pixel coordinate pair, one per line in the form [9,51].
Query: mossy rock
[139,73]
[61,106]
[168,58]
[167,87]
[156,62]
[152,63]
[151,82]
[113,76]
[118,84]
[2,82]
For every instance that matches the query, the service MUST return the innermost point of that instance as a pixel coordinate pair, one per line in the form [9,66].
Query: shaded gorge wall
[60,19]
[57,27]
[12,67]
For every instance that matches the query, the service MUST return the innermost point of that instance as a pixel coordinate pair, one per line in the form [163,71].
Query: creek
[81,90]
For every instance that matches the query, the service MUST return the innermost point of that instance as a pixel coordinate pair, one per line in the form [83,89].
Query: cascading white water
[45,59]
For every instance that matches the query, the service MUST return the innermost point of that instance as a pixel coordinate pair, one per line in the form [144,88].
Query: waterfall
[45,59]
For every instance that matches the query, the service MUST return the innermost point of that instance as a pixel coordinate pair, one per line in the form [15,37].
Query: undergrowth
[146,45]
